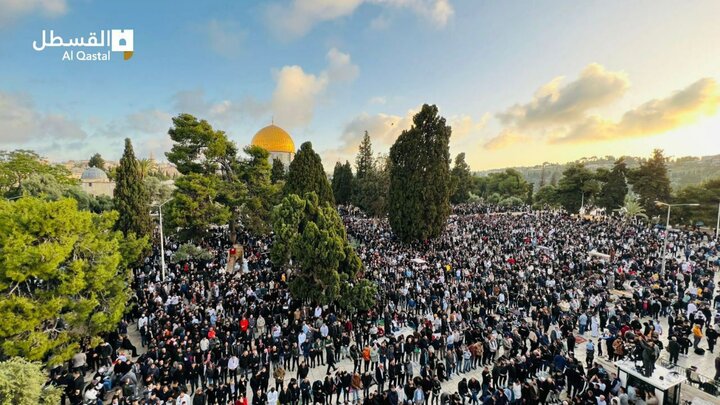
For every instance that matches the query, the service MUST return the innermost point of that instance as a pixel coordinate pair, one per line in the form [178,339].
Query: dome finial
[272,119]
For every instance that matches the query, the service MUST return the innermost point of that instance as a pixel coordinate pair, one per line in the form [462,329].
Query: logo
[111,40]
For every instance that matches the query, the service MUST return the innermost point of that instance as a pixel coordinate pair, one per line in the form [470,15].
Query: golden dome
[274,139]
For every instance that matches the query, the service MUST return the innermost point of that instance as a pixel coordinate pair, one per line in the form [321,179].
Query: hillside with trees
[683,171]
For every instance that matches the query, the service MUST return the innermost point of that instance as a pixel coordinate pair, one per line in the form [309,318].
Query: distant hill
[684,171]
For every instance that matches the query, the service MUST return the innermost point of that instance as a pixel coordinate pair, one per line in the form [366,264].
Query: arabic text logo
[121,40]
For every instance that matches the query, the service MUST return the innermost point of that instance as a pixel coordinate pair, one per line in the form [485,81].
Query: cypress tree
[131,198]
[364,162]
[307,175]
[278,171]
[342,182]
[420,182]
[461,180]
[613,191]
[651,182]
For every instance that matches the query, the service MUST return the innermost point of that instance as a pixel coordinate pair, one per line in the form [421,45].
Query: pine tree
[461,180]
[277,173]
[307,175]
[262,194]
[651,182]
[364,162]
[573,187]
[131,198]
[615,188]
[420,182]
[97,161]
[64,277]
[325,267]
[342,183]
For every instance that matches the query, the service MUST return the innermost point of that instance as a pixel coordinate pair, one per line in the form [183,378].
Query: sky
[519,82]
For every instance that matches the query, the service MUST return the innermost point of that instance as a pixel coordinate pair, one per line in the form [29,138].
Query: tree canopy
[576,186]
[64,276]
[277,174]
[22,382]
[420,185]
[262,194]
[131,198]
[210,161]
[342,183]
[615,188]
[364,162]
[651,182]
[707,195]
[19,165]
[370,188]
[325,266]
[507,183]
[97,160]
[307,175]
[461,180]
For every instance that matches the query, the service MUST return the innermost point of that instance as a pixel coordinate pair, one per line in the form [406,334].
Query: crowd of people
[491,312]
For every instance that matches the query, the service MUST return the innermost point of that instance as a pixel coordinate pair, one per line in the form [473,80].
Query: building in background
[277,142]
[96,182]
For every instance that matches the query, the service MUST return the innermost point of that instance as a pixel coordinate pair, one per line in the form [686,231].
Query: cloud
[294,19]
[297,92]
[23,123]
[150,121]
[438,12]
[506,138]
[684,107]
[221,112]
[378,100]
[557,104]
[225,37]
[11,10]
[384,129]
[340,67]
[300,16]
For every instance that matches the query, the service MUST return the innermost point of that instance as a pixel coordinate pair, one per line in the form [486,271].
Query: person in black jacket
[200,398]
[380,377]
[463,389]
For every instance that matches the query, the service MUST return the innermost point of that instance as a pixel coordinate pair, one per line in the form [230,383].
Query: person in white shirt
[324,330]
[183,399]
[272,397]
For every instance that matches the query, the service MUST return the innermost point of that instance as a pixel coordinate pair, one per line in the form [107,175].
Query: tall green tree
[651,182]
[22,382]
[707,194]
[277,173]
[325,267]
[508,183]
[97,160]
[262,194]
[545,196]
[461,179]
[198,149]
[64,276]
[342,183]
[19,165]
[615,188]
[194,208]
[131,198]
[371,192]
[577,184]
[307,175]
[420,183]
[364,162]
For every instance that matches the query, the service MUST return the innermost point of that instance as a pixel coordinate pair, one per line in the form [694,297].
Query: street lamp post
[667,228]
[717,225]
[162,241]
